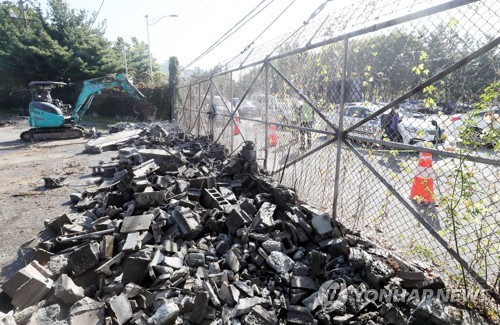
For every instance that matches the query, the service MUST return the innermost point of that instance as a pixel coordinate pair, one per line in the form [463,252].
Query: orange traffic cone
[273,137]
[236,129]
[422,189]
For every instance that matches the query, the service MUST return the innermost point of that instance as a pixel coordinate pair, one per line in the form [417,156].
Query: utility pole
[23,13]
[125,59]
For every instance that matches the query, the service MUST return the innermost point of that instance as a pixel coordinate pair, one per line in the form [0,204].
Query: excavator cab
[44,111]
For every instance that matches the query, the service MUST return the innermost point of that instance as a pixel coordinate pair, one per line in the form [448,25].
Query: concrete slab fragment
[136,223]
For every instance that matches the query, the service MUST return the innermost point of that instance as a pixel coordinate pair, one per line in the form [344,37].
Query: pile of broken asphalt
[177,232]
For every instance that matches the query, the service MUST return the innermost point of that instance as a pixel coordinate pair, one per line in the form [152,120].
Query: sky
[200,23]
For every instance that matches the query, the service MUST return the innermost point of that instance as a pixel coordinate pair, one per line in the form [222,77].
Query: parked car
[278,111]
[223,106]
[474,125]
[247,108]
[414,128]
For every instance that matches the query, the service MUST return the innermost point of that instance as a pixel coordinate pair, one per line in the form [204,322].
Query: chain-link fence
[384,113]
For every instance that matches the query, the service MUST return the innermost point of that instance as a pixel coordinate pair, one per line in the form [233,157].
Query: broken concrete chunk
[166,314]
[7,319]
[85,257]
[136,267]
[121,308]
[280,262]
[213,199]
[173,262]
[237,219]
[46,315]
[195,259]
[264,217]
[243,287]
[132,243]
[57,224]
[188,222]
[148,199]
[260,315]
[272,246]
[28,285]
[201,303]
[378,274]
[211,293]
[246,304]
[58,264]
[303,282]
[86,311]
[335,247]
[299,315]
[106,266]
[136,223]
[322,224]
[232,261]
[145,169]
[67,291]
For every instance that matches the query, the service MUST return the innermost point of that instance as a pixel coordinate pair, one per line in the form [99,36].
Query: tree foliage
[61,44]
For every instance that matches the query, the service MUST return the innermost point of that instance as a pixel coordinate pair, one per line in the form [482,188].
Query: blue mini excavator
[50,119]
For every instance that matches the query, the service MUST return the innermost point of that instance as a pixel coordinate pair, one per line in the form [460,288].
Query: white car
[479,122]
[248,109]
[223,106]
[414,128]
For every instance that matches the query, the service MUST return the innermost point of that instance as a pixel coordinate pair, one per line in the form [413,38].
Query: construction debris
[178,232]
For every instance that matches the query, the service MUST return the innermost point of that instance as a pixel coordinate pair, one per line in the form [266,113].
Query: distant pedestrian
[306,117]
[390,123]
[212,114]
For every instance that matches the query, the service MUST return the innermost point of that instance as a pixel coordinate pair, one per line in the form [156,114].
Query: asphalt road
[24,201]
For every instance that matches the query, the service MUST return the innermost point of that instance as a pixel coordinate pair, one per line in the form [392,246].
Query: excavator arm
[94,86]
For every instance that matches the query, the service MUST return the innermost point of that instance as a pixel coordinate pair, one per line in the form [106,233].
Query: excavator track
[70,132]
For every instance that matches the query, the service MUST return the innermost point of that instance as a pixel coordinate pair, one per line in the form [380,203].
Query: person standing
[390,124]
[212,113]
[306,115]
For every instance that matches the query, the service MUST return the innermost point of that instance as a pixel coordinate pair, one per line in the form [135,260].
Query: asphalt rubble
[178,232]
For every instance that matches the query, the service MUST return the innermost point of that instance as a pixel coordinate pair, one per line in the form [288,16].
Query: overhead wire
[262,33]
[231,31]
[225,36]
[306,22]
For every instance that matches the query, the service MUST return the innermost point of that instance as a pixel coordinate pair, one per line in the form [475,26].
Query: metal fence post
[213,120]
[232,112]
[199,108]
[266,115]
[190,111]
[173,103]
[339,132]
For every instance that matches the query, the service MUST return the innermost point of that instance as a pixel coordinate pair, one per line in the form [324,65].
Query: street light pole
[125,59]
[149,52]
[149,44]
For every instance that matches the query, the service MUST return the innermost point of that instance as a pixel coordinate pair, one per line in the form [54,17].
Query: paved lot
[24,202]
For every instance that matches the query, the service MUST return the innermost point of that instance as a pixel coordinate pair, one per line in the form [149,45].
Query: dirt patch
[24,201]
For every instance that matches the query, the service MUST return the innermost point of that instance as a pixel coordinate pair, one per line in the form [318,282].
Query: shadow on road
[429,213]
[13,144]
